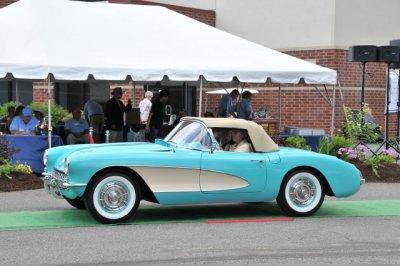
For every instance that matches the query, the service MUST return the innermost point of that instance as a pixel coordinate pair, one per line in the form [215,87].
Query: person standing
[156,116]
[244,109]
[226,103]
[115,115]
[145,107]
[94,115]
[76,128]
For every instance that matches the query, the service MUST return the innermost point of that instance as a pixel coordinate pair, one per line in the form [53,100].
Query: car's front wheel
[113,197]
[301,194]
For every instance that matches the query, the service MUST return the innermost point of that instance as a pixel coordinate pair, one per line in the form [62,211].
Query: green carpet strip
[28,220]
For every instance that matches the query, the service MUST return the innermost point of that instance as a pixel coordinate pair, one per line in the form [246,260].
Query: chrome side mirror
[214,146]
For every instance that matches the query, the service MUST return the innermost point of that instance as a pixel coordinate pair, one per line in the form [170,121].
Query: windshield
[190,134]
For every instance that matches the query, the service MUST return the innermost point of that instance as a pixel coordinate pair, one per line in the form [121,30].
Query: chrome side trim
[67,185]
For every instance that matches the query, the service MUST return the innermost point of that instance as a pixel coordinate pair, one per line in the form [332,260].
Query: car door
[175,171]
[232,172]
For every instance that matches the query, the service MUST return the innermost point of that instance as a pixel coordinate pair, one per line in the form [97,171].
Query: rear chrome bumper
[56,182]
[362,181]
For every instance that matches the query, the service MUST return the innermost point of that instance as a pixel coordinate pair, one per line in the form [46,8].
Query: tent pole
[280,107]
[49,110]
[16,91]
[133,94]
[333,111]
[201,94]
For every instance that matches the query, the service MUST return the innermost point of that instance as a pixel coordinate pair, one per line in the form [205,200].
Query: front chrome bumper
[56,182]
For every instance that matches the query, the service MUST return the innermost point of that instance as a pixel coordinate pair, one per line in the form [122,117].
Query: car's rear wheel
[77,203]
[301,194]
[113,197]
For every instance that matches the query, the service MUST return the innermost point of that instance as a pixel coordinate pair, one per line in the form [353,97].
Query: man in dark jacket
[115,115]
[156,116]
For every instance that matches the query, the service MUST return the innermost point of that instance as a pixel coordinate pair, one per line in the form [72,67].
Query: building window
[71,94]
[16,90]
[180,97]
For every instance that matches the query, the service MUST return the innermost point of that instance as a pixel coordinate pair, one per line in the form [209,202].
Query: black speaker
[389,54]
[362,53]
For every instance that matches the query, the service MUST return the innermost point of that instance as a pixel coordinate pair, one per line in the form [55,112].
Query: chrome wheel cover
[302,191]
[113,196]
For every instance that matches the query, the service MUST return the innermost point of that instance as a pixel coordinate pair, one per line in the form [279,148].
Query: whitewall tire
[113,198]
[301,194]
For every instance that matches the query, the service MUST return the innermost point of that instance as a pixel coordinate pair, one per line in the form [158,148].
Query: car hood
[57,155]
[118,148]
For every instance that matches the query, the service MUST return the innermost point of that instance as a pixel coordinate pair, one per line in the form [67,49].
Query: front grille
[60,176]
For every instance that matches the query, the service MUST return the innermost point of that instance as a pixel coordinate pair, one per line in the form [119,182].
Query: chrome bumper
[362,181]
[56,182]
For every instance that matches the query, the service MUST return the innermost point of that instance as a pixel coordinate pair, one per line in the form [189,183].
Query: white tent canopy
[74,40]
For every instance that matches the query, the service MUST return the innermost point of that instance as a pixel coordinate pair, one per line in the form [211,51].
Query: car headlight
[66,166]
[45,157]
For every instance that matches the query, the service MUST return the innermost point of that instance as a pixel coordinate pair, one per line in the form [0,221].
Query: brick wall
[40,91]
[205,16]
[131,91]
[4,3]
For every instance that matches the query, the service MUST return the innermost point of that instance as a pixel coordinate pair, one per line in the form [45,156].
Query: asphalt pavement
[318,241]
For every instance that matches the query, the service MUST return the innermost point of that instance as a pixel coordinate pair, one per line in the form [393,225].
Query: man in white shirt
[145,107]
[94,115]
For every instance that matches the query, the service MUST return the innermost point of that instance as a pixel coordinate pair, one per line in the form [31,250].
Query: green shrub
[355,128]
[58,113]
[4,107]
[6,168]
[297,142]
[332,146]
[379,161]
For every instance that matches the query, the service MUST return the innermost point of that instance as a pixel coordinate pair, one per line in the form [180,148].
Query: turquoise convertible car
[190,167]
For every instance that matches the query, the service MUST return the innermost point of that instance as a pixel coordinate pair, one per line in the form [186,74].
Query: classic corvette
[190,166]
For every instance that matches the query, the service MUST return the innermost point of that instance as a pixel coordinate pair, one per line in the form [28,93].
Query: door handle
[261,162]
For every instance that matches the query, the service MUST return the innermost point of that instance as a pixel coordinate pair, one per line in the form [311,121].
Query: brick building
[302,106]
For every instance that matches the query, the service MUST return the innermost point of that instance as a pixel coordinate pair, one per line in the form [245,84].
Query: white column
[201,95]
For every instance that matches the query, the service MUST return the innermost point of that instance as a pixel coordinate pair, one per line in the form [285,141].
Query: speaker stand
[386,141]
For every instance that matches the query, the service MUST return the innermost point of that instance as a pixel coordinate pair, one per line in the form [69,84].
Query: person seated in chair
[240,142]
[24,124]
[6,120]
[76,128]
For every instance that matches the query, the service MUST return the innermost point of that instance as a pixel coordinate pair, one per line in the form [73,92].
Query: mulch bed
[389,174]
[20,182]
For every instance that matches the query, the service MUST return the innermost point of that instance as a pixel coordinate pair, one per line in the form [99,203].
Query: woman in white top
[240,145]
[145,106]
